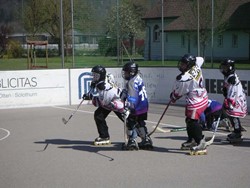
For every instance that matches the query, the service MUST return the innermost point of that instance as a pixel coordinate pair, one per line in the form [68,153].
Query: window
[234,41]
[166,37]
[220,41]
[156,33]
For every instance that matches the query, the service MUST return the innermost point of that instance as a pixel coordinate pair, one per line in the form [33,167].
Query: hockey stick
[125,132]
[171,130]
[208,143]
[66,121]
[160,118]
[125,118]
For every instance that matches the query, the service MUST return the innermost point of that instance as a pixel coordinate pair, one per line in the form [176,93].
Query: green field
[90,61]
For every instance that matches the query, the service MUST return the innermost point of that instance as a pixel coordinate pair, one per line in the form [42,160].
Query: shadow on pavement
[89,147]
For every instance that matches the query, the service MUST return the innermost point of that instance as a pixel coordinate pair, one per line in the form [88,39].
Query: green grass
[90,61]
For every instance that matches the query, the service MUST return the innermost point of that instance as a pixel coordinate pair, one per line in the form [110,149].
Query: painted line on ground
[89,112]
[71,109]
[151,122]
[8,133]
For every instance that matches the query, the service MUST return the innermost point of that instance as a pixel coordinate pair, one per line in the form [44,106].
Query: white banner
[33,88]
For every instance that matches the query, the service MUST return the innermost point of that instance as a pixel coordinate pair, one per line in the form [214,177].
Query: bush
[42,52]
[107,46]
[14,49]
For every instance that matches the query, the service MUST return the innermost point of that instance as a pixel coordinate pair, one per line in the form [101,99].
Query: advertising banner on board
[158,83]
[34,88]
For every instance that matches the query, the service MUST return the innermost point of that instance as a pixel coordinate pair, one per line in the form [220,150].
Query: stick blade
[209,142]
[162,130]
[64,121]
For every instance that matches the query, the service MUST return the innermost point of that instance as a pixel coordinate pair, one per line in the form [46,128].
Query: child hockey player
[137,103]
[189,83]
[235,103]
[212,113]
[106,100]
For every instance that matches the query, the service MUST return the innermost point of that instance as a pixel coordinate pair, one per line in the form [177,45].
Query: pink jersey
[190,84]
[235,97]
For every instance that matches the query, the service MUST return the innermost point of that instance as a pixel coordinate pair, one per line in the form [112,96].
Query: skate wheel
[198,153]
[102,144]
[192,153]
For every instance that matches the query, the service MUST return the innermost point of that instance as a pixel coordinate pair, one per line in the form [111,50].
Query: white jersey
[235,96]
[190,84]
[109,98]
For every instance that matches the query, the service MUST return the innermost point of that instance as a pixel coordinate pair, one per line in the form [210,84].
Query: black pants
[235,121]
[137,121]
[137,125]
[194,130]
[100,116]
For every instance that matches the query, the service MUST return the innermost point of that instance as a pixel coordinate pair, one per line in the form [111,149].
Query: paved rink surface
[39,151]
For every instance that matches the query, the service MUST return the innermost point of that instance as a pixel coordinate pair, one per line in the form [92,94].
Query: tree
[126,21]
[44,16]
[8,14]
[5,30]
[82,15]
[34,17]
[205,24]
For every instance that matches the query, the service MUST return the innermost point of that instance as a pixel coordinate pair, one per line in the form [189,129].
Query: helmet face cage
[227,67]
[186,62]
[96,76]
[98,73]
[129,70]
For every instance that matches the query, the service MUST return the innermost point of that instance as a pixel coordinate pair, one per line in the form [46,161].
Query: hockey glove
[174,97]
[116,105]
[87,96]
[228,104]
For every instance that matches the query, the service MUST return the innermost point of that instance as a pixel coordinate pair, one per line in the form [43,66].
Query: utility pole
[118,32]
[61,28]
[162,32]
[198,27]
[212,37]
[73,37]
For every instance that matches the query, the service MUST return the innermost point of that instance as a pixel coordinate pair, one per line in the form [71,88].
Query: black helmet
[99,73]
[227,67]
[186,62]
[129,70]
